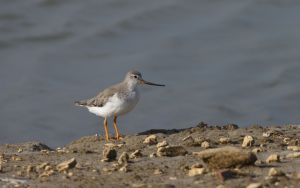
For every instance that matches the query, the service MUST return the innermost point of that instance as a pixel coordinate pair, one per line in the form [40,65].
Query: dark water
[222,61]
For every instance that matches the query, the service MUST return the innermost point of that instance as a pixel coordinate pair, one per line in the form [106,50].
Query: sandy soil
[91,162]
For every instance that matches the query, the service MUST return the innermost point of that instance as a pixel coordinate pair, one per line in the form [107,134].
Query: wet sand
[161,158]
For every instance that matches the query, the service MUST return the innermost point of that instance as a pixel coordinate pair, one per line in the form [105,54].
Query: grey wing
[100,99]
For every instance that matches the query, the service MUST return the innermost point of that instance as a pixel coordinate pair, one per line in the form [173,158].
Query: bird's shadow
[163,131]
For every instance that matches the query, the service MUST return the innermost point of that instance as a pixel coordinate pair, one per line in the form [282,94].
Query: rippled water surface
[222,61]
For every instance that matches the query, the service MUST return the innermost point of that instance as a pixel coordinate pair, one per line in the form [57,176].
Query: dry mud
[201,156]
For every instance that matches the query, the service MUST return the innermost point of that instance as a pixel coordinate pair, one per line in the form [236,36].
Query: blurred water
[222,61]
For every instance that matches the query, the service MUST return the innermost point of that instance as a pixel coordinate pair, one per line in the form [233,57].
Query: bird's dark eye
[135,76]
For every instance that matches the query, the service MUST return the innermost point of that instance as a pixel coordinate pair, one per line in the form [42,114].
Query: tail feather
[80,103]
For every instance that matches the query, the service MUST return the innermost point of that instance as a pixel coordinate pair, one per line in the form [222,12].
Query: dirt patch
[91,162]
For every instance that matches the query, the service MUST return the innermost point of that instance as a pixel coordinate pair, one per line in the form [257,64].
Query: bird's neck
[131,86]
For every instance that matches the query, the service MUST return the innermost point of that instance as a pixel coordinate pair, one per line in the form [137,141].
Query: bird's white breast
[117,105]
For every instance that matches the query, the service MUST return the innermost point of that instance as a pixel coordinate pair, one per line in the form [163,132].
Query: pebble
[16,158]
[124,168]
[136,154]
[205,145]
[267,134]
[255,185]
[188,138]
[224,140]
[153,155]
[275,172]
[226,157]
[248,141]
[293,155]
[189,141]
[66,165]
[196,171]
[273,158]
[197,165]
[48,167]
[257,150]
[158,172]
[20,150]
[162,144]
[150,140]
[294,148]
[42,166]
[171,151]
[286,140]
[109,154]
[123,159]
[29,169]
[46,173]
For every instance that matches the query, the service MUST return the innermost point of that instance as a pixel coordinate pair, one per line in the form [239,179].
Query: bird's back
[100,99]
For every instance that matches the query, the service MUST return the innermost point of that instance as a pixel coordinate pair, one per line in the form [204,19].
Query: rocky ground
[201,156]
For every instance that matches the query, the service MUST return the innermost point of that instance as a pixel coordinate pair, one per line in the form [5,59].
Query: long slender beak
[150,83]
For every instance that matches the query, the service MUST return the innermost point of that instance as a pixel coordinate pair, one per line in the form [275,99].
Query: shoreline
[200,156]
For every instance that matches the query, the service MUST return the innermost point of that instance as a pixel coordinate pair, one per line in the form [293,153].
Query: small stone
[124,168]
[70,174]
[48,167]
[46,173]
[150,140]
[16,158]
[20,150]
[66,165]
[171,151]
[259,162]
[196,171]
[158,172]
[172,178]
[123,159]
[187,138]
[293,155]
[153,155]
[136,154]
[257,150]
[294,148]
[197,165]
[226,157]
[19,173]
[267,134]
[189,141]
[224,140]
[205,145]
[248,141]
[109,154]
[275,172]
[162,144]
[44,151]
[273,158]
[42,166]
[286,140]
[255,185]
[29,169]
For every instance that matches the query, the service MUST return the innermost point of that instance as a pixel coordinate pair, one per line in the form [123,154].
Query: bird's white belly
[116,106]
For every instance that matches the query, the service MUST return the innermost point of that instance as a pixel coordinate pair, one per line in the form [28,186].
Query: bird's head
[135,78]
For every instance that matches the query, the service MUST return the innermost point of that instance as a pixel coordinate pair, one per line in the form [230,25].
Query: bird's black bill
[152,84]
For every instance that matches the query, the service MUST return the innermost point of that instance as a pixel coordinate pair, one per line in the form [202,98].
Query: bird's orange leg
[106,129]
[116,128]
